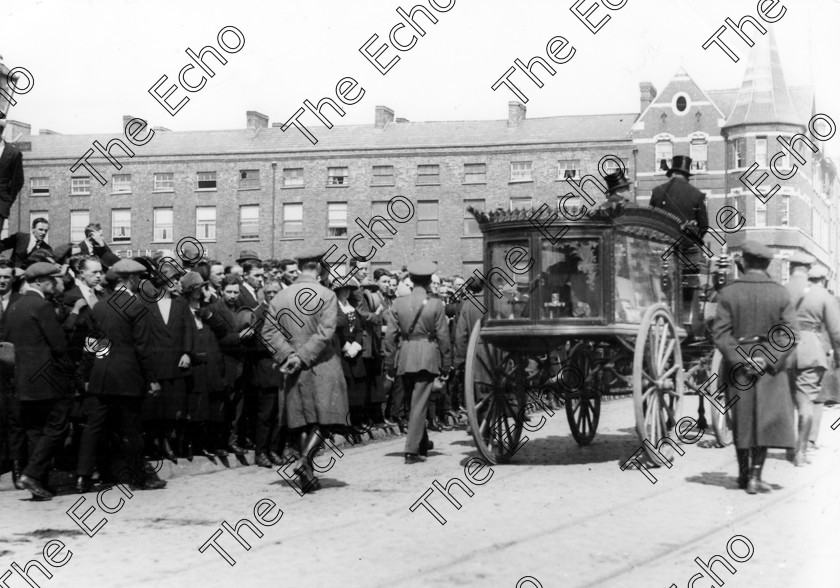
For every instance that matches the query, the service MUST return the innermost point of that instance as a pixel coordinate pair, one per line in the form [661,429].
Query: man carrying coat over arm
[755,329]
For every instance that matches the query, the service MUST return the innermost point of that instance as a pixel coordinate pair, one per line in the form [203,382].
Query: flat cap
[247,255]
[313,253]
[191,280]
[42,269]
[63,251]
[817,272]
[800,258]
[756,249]
[127,267]
[422,267]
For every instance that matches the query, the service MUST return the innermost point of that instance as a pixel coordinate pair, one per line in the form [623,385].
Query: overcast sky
[94,61]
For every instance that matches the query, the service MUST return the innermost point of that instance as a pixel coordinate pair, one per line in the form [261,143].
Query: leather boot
[800,459]
[755,484]
[312,442]
[17,472]
[744,466]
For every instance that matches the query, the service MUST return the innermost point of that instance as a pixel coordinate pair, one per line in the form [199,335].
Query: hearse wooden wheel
[721,423]
[494,385]
[583,406]
[657,380]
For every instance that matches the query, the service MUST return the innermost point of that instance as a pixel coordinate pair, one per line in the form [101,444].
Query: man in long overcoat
[300,335]
[422,354]
[680,198]
[755,329]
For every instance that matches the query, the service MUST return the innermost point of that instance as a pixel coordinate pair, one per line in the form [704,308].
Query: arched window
[699,152]
[663,155]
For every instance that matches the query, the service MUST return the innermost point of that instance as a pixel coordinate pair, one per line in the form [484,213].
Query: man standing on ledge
[754,323]
[422,354]
[11,167]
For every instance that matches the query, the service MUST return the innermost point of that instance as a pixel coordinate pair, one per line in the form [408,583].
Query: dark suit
[12,435]
[683,200]
[11,180]
[223,324]
[118,383]
[265,379]
[42,378]
[19,243]
[423,354]
[247,299]
[104,253]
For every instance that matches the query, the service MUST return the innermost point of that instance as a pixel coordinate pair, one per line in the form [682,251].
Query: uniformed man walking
[755,330]
[816,310]
[422,353]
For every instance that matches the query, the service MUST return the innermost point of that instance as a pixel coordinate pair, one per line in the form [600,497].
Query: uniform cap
[42,269]
[800,258]
[191,280]
[817,272]
[313,253]
[246,255]
[422,267]
[756,249]
[127,267]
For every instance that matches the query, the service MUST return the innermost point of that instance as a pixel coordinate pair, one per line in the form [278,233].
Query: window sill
[249,239]
[119,244]
[119,193]
[342,238]
[472,236]
[292,187]
[162,242]
[85,194]
[521,181]
[391,185]
[575,177]
[427,236]
[338,185]
[164,191]
[249,189]
[484,183]
[206,190]
[301,238]
[206,240]
[428,184]
[39,195]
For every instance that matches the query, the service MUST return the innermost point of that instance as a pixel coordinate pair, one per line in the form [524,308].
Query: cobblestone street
[565,515]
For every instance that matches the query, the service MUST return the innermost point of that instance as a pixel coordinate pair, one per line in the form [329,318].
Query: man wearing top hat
[755,329]
[42,376]
[682,199]
[618,194]
[818,316]
[422,354]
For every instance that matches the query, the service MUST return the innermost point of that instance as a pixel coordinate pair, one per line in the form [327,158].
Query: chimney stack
[126,118]
[516,113]
[384,115]
[256,120]
[16,131]
[647,93]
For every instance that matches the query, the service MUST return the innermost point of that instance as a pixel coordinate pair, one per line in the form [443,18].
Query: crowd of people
[110,363]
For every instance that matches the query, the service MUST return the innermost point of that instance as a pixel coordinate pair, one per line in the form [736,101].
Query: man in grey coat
[755,330]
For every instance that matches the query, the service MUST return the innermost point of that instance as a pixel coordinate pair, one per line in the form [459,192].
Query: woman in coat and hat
[349,331]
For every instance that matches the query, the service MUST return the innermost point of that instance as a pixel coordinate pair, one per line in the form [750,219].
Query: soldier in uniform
[315,394]
[755,330]
[816,310]
[422,354]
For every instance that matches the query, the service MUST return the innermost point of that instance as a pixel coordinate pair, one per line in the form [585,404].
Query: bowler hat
[247,255]
[680,163]
[756,249]
[616,181]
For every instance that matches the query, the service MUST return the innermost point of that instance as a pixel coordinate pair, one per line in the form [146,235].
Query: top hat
[616,181]
[680,163]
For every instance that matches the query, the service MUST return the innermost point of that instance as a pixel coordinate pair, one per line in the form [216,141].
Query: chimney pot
[256,120]
[516,113]
[384,115]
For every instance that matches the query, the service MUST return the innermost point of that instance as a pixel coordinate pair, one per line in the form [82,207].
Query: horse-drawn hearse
[584,306]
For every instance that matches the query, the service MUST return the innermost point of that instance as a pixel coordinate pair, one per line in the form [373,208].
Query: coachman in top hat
[11,159]
[682,199]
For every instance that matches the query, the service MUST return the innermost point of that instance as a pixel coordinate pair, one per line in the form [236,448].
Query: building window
[79,219]
[206,180]
[163,219]
[699,153]
[380,208]
[520,171]
[249,221]
[427,217]
[293,220]
[784,211]
[338,176]
[760,213]
[428,174]
[664,154]
[292,176]
[80,186]
[739,153]
[40,186]
[611,165]
[249,179]
[164,182]
[205,223]
[568,168]
[383,175]
[121,225]
[681,104]
[520,203]
[761,151]
[121,184]
[336,219]
[470,224]
[475,173]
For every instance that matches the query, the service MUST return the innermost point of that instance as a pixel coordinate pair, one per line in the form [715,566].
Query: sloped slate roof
[802,96]
[407,135]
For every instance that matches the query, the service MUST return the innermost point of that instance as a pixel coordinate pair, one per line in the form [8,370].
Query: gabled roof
[802,97]
[404,135]
[763,97]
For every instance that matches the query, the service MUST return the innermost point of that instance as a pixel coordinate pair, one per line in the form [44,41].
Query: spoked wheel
[583,407]
[495,381]
[657,380]
[721,423]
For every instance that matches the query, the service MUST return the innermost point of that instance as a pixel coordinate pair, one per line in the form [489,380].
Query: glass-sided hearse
[585,308]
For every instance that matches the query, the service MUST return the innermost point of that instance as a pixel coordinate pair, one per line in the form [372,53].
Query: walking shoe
[16,474]
[262,460]
[35,487]
[237,450]
[275,459]
[83,484]
[411,458]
